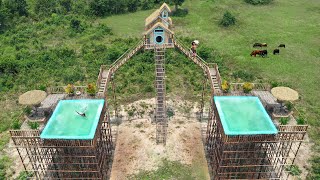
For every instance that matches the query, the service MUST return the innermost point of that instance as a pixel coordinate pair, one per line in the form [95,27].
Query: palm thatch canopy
[156,14]
[33,97]
[285,94]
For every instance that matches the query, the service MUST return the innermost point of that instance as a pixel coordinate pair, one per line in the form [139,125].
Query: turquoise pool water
[243,115]
[66,123]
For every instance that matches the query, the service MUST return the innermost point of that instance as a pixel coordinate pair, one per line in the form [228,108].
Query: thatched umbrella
[285,94]
[33,97]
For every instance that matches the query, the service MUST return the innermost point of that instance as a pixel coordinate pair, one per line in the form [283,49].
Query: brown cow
[255,52]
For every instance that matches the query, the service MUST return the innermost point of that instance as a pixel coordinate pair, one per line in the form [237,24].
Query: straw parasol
[285,94]
[33,97]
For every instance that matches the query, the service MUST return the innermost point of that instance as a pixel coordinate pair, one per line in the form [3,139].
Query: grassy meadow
[56,55]
[295,23]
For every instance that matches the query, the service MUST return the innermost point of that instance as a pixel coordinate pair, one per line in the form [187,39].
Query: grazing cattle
[282,45]
[264,44]
[257,45]
[263,53]
[276,51]
[255,52]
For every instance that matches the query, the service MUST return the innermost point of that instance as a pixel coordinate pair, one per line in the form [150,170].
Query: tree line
[11,10]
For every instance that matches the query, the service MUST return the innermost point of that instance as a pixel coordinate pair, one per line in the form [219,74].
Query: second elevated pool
[243,115]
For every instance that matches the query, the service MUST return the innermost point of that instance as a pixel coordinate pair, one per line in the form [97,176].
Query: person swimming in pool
[81,114]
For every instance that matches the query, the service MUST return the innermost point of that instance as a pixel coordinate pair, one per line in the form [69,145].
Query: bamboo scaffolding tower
[251,156]
[66,159]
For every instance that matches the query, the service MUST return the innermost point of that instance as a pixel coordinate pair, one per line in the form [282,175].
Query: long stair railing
[102,68]
[216,68]
[199,61]
[117,64]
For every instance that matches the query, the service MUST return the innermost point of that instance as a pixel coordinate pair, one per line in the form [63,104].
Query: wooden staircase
[211,69]
[107,71]
[215,77]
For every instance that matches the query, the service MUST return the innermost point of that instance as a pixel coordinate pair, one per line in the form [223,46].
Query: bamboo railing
[102,68]
[200,62]
[215,66]
[256,86]
[61,89]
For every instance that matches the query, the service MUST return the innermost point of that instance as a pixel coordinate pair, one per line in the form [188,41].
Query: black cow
[257,45]
[276,51]
[263,53]
[282,45]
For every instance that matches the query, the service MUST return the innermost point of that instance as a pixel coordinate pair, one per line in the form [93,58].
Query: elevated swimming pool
[243,115]
[66,123]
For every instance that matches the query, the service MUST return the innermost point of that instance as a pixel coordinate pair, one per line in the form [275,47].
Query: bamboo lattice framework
[252,156]
[66,159]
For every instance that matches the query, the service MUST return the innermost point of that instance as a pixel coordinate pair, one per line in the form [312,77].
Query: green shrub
[244,75]
[42,87]
[33,125]
[147,4]
[70,89]
[204,52]
[284,120]
[274,84]
[27,110]
[300,121]
[225,86]
[4,165]
[293,170]
[16,124]
[180,12]
[91,89]
[228,19]
[257,2]
[23,175]
[170,112]
[76,25]
[247,87]
[289,106]
[315,170]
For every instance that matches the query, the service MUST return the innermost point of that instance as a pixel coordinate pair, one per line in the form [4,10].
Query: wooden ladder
[161,119]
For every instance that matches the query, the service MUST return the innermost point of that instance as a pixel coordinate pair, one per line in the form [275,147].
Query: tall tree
[177,3]
[3,17]
[66,4]
[17,7]
[45,7]
[100,7]
[133,5]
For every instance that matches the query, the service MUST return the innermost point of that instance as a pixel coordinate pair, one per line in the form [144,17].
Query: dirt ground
[136,147]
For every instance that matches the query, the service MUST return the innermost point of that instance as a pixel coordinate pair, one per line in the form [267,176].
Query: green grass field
[295,23]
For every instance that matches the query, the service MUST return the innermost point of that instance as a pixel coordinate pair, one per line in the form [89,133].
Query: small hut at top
[158,28]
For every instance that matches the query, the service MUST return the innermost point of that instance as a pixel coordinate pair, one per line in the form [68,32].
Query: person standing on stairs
[193,49]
